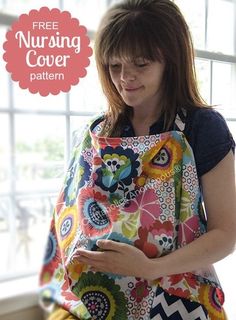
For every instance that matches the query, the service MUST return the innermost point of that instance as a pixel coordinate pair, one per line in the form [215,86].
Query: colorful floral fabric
[143,191]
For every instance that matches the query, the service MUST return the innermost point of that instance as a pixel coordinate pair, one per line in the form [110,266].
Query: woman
[130,238]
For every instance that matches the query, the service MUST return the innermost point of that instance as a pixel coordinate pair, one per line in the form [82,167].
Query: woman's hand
[218,242]
[117,258]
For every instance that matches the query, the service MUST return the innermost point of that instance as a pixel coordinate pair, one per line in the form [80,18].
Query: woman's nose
[127,74]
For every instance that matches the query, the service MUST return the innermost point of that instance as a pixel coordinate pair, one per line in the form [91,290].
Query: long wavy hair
[154,30]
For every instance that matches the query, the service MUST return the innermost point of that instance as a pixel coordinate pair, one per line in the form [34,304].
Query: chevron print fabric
[174,308]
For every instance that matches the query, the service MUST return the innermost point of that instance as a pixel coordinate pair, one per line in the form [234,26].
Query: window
[213,26]
[36,131]
[35,145]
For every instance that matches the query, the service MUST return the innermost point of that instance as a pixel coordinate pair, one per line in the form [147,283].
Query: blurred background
[36,134]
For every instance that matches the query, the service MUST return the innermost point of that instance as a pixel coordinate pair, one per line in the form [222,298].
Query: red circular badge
[47,51]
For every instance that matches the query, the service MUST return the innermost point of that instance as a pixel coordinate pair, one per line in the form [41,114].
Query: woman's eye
[141,65]
[114,66]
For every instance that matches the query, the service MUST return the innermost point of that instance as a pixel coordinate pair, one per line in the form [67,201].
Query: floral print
[118,167]
[75,269]
[143,243]
[78,173]
[188,230]
[101,296]
[66,226]
[213,299]
[95,214]
[160,161]
[129,224]
[142,191]
[52,256]
[140,290]
[147,203]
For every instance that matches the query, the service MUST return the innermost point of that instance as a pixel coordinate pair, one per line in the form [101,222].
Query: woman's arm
[219,194]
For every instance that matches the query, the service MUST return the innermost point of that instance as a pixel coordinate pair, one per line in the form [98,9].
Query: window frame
[67,113]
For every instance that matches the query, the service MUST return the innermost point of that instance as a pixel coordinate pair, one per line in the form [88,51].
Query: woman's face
[138,82]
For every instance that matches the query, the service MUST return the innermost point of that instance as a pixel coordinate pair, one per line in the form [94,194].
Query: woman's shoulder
[209,136]
[205,123]
[197,115]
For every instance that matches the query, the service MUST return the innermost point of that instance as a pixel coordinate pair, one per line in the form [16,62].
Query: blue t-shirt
[206,131]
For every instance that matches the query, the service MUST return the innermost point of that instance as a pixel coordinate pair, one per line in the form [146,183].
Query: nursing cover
[143,191]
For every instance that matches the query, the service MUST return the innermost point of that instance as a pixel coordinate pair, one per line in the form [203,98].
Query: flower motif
[188,230]
[101,296]
[184,285]
[48,293]
[129,224]
[165,243]
[140,181]
[187,278]
[212,298]
[140,290]
[78,174]
[59,274]
[51,248]
[144,243]
[160,160]
[66,226]
[52,291]
[147,204]
[51,259]
[185,205]
[95,214]
[66,289]
[45,276]
[119,166]
[160,228]
[75,269]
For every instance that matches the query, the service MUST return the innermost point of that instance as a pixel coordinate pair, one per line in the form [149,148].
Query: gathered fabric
[143,191]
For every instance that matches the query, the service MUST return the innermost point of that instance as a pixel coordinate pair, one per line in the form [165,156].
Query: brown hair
[151,29]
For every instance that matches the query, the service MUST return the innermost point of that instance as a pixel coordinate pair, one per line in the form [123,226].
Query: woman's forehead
[134,56]
[126,58]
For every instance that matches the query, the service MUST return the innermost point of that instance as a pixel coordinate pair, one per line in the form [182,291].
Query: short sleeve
[212,139]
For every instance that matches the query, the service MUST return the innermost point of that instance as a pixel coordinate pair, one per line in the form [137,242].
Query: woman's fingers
[111,245]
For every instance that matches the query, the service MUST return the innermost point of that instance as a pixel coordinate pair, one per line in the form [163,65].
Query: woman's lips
[132,89]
